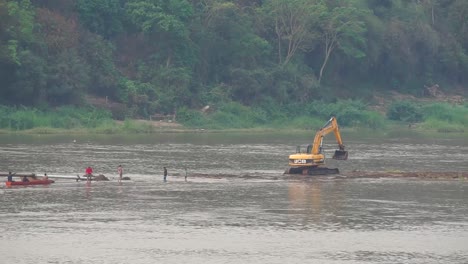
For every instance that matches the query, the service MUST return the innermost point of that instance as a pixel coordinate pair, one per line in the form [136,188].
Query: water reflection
[318,203]
[306,195]
[88,190]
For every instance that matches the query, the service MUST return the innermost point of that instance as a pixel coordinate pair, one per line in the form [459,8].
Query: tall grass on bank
[445,117]
[22,118]
[441,117]
[295,116]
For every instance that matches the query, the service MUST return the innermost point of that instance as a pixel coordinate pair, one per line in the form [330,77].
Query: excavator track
[312,171]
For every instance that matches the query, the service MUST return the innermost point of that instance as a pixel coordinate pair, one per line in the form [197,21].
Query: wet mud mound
[211,176]
[225,176]
[447,175]
[100,177]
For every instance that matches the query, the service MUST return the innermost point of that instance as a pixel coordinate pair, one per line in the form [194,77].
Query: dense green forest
[267,59]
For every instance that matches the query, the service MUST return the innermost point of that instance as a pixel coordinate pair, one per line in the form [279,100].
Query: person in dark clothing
[120,172]
[25,179]
[10,176]
[165,173]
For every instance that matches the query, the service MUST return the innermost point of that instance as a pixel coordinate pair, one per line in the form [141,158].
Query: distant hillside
[158,57]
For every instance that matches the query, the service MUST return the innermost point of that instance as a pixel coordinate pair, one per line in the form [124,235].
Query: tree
[431,6]
[57,32]
[165,22]
[342,27]
[16,27]
[98,54]
[458,21]
[29,82]
[168,67]
[227,41]
[16,35]
[104,17]
[294,23]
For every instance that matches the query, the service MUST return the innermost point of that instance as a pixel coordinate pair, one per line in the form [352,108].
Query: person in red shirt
[89,173]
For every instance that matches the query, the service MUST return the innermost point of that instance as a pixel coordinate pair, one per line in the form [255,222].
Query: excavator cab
[308,149]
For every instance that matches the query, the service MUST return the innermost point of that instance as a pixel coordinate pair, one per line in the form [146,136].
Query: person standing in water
[165,173]
[10,176]
[120,172]
[89,173]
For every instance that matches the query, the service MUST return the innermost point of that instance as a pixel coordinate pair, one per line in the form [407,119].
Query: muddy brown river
[252,215]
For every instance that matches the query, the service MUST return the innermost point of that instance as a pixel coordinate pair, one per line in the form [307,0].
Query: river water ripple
[261,219]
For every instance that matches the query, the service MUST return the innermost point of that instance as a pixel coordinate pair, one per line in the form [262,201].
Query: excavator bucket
[340,155]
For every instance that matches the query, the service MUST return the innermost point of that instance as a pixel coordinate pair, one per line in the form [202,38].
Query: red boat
[35,182]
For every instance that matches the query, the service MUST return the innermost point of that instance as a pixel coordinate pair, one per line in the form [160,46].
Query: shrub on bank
[405,111]
[348,112]
[191,118]
[441,117]
[373,120]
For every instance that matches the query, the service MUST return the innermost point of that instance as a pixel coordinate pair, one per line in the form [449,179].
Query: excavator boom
[330,126]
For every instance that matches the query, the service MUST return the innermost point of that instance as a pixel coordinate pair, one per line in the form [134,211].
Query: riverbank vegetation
[440,117]
[88,64]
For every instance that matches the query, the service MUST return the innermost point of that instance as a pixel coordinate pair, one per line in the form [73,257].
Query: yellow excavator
[312,161]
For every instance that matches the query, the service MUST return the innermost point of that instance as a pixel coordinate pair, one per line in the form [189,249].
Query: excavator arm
[330,126]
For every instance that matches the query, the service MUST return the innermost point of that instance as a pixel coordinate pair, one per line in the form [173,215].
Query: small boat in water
[34,182]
